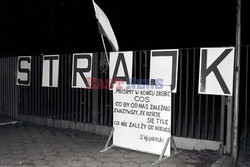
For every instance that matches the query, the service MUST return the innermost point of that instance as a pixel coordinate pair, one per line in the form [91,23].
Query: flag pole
[103,42]
[104,46]
[235,147]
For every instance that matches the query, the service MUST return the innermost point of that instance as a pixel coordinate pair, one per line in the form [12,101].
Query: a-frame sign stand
[169,140]
[107,147]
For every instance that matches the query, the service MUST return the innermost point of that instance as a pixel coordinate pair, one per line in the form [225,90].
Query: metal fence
[194,115]
[244,113]
[63,102]
[8,88]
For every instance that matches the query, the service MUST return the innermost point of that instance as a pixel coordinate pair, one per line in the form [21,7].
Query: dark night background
[68,26]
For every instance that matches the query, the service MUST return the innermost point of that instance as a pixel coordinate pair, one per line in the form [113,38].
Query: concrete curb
[225,161]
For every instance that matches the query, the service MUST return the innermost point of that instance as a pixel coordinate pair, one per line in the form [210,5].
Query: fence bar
[85,105]
[1,83]
[111,107]
[246,103]
[34,76]
[95,102]
[70,112]
[140,65]
[180,96]
[229,124]
[6,86]
[77,111]
[72,92]
[146,67]
[41,92]
[101,98]
[16,88]
[186,100]
[68,76]
[106,103]
[72,106]
[55,102]
[59,97]
[222,120]
[29,90]
[89,107]
[45,97]
[206,117]
[200,117]
[48,102]
[37,84]
[135,66]
[193,97]
[213,118]
[66,95]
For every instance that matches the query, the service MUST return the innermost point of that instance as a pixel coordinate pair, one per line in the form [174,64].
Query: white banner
[216,71]
[142,118]
[50,70]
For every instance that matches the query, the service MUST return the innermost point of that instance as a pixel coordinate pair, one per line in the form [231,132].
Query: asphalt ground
[33,145]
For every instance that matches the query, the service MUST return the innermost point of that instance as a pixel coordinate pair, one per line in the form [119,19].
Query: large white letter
[50,70]
[164,67]
[121,66]
[216,71]
[81,70]
[23,70]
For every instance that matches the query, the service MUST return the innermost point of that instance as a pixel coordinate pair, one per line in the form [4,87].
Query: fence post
[237,83]
[95,102]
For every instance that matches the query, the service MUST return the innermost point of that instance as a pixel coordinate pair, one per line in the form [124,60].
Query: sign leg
[107,147]
[161,159]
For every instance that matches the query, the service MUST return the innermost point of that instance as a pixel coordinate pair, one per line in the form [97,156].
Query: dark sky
[67,26]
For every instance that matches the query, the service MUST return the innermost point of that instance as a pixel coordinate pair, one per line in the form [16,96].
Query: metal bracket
[161,158]
[107,147]
[9,123]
